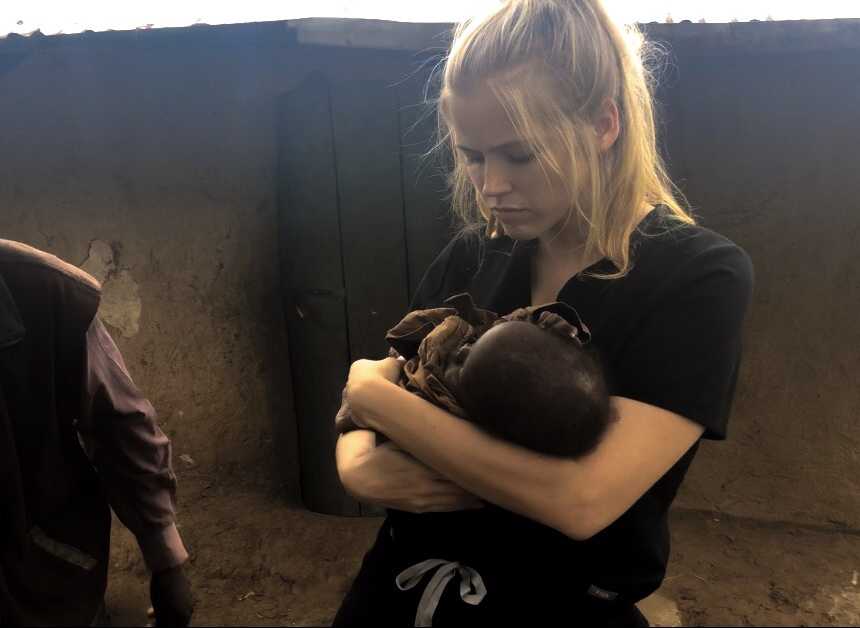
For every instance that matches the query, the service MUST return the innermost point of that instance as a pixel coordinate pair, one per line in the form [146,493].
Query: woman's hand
[387,368]
[386,475]
[363,375]
[389,477]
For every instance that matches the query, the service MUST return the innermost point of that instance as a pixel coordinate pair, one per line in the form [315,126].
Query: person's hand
[362,373]
[343,421]
[389,477]
[170,593]
[363,370]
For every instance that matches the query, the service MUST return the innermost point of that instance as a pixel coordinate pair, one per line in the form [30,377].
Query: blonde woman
[547,108]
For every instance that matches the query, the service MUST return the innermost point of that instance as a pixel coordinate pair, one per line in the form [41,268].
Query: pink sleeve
[132,455]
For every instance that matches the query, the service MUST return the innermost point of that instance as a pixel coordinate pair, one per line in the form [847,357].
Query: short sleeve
[685,354]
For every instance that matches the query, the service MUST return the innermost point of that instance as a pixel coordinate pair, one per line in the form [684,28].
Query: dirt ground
[256,562]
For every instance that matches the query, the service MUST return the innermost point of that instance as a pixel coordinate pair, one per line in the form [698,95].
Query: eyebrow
[505,146]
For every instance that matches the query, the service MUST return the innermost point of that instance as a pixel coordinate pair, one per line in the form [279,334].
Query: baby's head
[535,388]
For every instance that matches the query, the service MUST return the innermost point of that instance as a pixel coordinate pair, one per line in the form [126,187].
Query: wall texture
[767,149]
[150,158]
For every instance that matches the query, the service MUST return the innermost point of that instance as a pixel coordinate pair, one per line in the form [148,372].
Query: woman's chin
[520,232]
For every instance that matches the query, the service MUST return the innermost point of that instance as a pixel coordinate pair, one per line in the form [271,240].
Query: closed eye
[517,158]
[521,159]
[471,157]
[477,158]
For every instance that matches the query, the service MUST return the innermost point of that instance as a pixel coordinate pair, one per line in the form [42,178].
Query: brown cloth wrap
[429,341]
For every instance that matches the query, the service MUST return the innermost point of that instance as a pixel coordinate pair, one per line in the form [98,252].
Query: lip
[512,216]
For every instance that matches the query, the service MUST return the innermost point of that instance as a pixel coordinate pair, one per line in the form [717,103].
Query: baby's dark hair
[534,388]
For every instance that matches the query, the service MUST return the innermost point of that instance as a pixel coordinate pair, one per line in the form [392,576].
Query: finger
[150,612]
[421,506]
[446,494]
[452,505]
[461,503]
[441,480]
[474,504]
[446,488]
[448,497]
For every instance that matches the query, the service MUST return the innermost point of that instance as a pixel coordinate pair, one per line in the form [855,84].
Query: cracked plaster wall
[120,304]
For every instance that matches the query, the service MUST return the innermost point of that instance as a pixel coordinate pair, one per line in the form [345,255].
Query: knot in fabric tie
[472,588]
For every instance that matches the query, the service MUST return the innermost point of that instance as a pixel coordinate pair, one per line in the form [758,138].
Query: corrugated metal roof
[55,17]
[797,36]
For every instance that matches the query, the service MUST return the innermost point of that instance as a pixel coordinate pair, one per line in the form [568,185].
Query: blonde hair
[582,59]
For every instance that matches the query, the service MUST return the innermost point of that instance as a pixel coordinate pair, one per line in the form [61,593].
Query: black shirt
[668,334]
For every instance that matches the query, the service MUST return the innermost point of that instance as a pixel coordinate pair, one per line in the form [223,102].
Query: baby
[525,377]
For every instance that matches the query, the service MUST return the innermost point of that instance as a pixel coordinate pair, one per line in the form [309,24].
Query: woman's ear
[607,126]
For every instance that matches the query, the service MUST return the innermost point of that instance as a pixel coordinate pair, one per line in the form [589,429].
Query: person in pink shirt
[77,437]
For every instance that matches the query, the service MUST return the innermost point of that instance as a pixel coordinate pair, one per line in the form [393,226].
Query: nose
[495,181]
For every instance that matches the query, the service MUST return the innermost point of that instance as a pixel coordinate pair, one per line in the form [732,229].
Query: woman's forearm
[538,487]
[576,497]
[351,449]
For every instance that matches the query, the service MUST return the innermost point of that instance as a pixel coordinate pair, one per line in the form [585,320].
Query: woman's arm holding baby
[579,498]
[387,476]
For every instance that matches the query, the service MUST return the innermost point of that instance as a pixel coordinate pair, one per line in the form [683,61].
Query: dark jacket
[56,521]
[63,385]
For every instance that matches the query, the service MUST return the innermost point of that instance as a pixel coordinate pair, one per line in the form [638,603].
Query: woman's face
[502,168]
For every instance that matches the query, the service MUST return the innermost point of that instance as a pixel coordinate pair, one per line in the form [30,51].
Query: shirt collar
[506,282]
